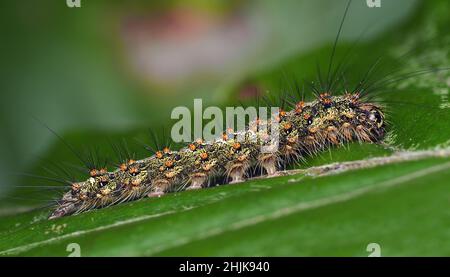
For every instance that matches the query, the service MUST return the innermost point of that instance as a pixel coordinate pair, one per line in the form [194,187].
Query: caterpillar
[335,117]
[308,128]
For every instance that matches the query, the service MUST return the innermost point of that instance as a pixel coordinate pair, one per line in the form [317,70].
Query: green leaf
[291,215]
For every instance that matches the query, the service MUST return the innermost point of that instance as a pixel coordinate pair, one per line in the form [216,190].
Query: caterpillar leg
[268,162]
[197,181]
[159,188]
[332,135]
[362,134]
[237,176]
[156,193]
[237,172]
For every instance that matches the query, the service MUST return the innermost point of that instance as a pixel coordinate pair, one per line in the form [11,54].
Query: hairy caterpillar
[305,130]
[337,116]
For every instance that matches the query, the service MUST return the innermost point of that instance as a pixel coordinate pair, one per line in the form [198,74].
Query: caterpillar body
[309,127]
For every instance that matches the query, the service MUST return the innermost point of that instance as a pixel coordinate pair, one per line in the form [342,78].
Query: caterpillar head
[372,118]
[377,117]
[373,115]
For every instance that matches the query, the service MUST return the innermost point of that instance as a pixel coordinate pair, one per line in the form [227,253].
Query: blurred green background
[116,68]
